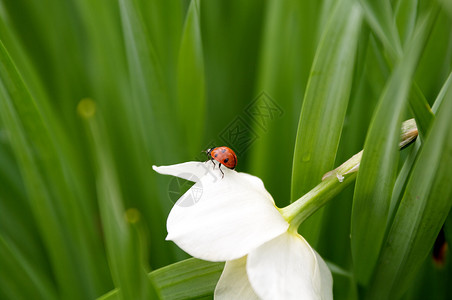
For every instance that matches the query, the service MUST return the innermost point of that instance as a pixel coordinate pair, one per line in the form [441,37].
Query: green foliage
[421,212]
[379,164]
[188,279]
[93,93]
[324,105]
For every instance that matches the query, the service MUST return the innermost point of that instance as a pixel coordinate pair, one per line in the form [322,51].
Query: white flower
[234,219]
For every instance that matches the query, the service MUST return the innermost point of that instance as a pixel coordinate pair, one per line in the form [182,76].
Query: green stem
[310,202]
[335,181]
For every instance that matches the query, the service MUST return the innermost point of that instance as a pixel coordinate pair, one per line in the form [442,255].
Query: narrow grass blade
[335,235]
[21,278]
[407,168]
[439,100]
[326,99]
[290,37]
[379,15]
[421,213]
[24,270]
[405,13]
[191,81]
[126,263]
[153,131]
[418,102]
[164,22]
[191,278]
[325,103]
[421,110]
[378,168]
[149,105]
[65,226]
[188,279]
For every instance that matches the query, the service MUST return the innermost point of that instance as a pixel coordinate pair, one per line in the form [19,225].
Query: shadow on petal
[288,268]
[233,283]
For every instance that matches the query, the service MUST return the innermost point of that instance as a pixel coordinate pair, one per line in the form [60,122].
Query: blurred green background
[95,92]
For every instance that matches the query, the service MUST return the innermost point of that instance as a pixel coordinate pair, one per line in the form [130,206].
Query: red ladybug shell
[224,156]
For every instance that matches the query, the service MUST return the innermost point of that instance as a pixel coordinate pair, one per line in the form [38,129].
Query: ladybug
[224,155]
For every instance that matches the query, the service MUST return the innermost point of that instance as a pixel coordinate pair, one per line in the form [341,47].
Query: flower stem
[335,181]
[310,202]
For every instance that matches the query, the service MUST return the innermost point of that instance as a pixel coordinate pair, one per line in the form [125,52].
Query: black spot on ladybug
[226,160]
[223,150]
[216,155]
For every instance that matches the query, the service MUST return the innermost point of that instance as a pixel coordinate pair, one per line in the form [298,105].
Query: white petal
[326,279]
[232,215]
[288,268]
[233,283]
[192,170]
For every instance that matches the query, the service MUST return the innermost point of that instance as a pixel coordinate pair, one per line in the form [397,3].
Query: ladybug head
[208,151]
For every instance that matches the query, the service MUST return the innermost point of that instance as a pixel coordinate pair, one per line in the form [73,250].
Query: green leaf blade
[126,263]
[188,279]
[21,277]
[150,104]
[422,211]
[380,17]
[325,104]
[46,178]
[191,79]
[378,168]
[290,37]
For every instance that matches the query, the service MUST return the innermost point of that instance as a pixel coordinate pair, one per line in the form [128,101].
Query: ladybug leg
[213,162]
[222,174]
